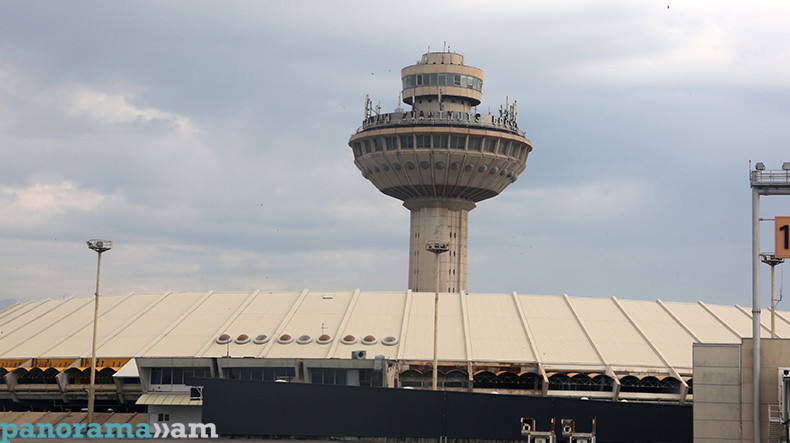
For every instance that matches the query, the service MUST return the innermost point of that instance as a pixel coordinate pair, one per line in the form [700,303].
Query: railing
[453,118]
[770,178]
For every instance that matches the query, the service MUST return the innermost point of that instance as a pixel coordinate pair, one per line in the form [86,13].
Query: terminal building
[522,344]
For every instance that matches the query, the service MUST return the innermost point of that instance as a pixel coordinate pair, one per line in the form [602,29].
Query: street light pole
[437,248]
[99,246]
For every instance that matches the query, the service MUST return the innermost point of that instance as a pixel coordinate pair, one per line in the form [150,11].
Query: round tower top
[442,58]
[441,81]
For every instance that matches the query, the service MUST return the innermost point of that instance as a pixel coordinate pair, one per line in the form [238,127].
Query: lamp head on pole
[99,245]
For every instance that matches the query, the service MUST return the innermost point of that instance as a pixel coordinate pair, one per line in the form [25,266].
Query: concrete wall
[717,392]
[177,414]
[775,353]
[723,388]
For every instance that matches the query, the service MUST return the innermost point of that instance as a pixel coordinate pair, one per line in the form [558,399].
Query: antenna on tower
[367,106]
[397,104]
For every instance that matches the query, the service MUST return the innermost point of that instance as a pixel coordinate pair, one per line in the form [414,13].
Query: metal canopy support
[609,371]
[684,387]
[229,321]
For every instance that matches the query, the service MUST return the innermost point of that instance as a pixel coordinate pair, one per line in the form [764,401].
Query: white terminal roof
[561,333]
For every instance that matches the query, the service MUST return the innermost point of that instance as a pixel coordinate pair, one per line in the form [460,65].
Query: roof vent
[348,340]
[324,339]
[304,339]
[389,340]
[285,339]
[261,339]
[369,340]
[223,339]
[243,338]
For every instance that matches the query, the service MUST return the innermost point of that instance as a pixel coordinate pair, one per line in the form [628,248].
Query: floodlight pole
[99,246]
[437,248]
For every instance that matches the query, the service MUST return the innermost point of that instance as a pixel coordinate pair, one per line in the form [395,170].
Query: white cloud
[38,202]
[113,108]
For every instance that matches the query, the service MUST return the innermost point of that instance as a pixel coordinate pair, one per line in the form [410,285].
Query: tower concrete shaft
[440,158]
[446,220]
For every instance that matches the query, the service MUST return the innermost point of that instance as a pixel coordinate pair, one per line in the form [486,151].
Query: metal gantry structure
[763,183]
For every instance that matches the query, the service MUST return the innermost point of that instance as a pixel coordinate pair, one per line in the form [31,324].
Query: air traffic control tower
[440,157]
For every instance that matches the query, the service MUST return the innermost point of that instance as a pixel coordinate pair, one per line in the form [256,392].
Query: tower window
[406,142]
[439,141]
[392,143]
[490,144]
[458,142]
[514,150]
[419,79]
[503,147]
[357,149]
[475,143]
[377,144]
[367,146]
[423,141]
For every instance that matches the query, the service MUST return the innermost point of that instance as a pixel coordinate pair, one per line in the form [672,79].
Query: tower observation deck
[440,158]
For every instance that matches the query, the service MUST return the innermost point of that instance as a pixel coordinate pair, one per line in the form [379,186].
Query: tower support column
[440,219]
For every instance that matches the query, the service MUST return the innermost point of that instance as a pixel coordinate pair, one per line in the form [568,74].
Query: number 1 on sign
[782,237]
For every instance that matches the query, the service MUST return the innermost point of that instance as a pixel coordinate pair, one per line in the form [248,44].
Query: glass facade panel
[490,144]
[423,141]
[464,81]
[328,376]
[177,375]
[156,376]
[514,150]
[475,143]
[392,143]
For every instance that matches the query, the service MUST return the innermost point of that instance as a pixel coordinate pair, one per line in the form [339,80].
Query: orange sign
[11,363]
[52,362]
[102,362]
[782,237]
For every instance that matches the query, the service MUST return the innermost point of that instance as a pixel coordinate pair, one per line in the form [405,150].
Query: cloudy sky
[208,140]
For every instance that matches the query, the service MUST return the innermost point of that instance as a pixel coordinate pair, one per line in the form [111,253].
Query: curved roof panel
[554,331]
